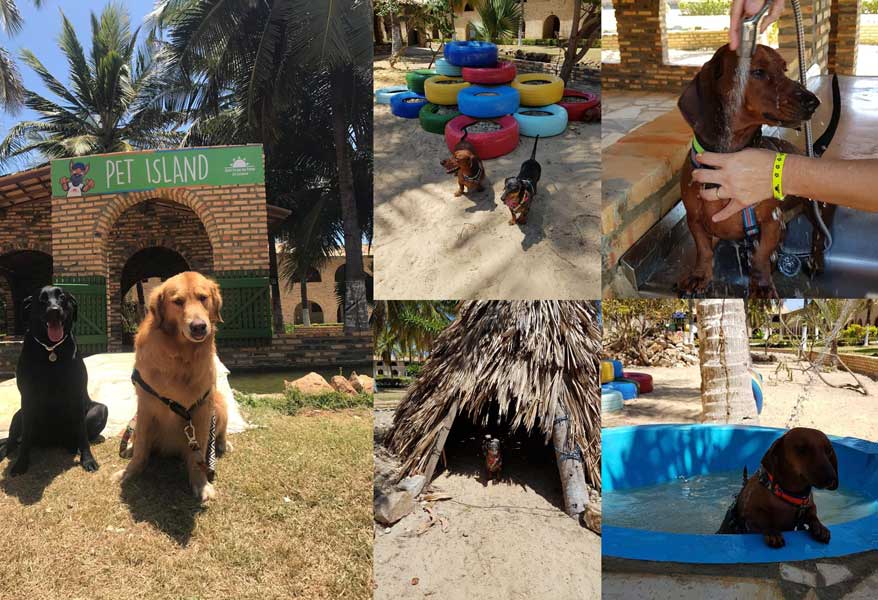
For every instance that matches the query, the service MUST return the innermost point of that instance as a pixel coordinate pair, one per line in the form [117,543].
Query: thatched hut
[535,363]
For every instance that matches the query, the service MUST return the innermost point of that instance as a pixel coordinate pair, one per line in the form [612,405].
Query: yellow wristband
[777,176]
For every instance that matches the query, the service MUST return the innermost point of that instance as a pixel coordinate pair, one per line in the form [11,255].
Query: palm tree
[410,326]
[726,394]
[11,88]
[112,104]
[500,19]
[274,56]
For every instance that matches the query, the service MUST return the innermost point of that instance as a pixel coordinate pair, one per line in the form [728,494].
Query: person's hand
[741,9]
[743,176]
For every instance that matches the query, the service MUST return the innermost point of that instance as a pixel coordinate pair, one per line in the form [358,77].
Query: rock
[355,382]
[798,575]
[413,485]
[311,384]
[390,508]
[340,384]
[833,574]
[368,383]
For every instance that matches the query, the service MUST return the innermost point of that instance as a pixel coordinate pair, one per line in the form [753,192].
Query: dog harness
[529,192]
[751,225]
[208,465]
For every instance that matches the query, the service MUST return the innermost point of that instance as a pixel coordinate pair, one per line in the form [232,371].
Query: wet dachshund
[770,98]
[519,191]
[778,497]
[466,164]
[55,406]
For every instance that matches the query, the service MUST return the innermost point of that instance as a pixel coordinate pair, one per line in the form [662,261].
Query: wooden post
[436,452]
[570,469]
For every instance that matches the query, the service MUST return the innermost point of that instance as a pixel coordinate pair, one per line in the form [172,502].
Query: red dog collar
[777,490]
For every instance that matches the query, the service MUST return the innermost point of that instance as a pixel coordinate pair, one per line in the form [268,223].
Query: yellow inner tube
[606,371]
[443,89]
[539,94]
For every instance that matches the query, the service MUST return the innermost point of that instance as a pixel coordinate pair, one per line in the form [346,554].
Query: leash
[207,464]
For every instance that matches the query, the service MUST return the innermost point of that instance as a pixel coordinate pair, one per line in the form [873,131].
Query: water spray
[750,32]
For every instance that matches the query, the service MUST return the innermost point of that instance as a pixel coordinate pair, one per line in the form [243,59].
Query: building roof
[25,186]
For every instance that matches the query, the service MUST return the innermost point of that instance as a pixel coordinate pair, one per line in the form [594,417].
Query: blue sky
[793,304]
[40,35]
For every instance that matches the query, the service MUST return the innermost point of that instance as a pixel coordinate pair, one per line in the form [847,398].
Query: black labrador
[55,406]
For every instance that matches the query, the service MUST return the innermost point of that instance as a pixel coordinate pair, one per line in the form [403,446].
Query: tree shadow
[161,497]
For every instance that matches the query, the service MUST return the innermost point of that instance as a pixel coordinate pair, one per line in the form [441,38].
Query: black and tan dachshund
[55,406]
[519,191]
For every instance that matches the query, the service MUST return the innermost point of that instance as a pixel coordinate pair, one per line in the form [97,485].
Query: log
[570,469]
[439,446]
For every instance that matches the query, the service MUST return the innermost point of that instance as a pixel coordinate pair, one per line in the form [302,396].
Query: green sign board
[153,169]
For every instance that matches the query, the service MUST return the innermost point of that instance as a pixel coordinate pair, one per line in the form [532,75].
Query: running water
[736,101]
[697,504]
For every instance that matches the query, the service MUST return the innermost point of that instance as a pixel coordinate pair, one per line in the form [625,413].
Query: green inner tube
[414,80]
[433,117]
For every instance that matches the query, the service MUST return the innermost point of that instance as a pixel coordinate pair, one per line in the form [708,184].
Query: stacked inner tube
[540,114]
[487,103]
[611,401]
[385,94]
[407,105]
[580,105]
[615,380]
[414,80]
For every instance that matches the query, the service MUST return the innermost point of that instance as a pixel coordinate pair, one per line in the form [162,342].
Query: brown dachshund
[493,459]
[770,98]
[465,162]
[778,496]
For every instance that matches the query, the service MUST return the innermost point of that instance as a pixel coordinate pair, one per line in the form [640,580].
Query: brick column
[845,31]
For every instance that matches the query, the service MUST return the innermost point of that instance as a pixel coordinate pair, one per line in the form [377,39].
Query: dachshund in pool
[770,98]
[778,497]
[466,164]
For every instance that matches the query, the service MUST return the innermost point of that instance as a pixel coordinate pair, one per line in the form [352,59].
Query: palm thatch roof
[530,358]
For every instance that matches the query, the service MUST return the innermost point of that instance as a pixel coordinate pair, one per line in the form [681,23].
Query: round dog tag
[52,357]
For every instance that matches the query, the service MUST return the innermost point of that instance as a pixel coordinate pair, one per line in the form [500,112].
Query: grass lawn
[292,519]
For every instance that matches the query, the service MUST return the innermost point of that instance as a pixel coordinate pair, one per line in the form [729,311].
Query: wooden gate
[246,308]
[91,323]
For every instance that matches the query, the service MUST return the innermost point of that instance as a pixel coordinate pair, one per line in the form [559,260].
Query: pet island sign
[149,170]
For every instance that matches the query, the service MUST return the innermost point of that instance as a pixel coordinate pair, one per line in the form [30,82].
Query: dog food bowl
[543,121]
[539,89]
[407,105]
[441,89]
[656,455]
[471,54]
[504,72]
[486,102]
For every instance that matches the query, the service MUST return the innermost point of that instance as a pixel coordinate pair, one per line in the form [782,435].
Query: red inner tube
[576,110]
[644,380]
[490,144]
[504,72]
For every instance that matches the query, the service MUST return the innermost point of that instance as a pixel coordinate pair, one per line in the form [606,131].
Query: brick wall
[321,292]
[679,40]
[8,314]
[816,26]
[844,31]
[26,226]
[864,365]
[9,353]
[535,14]
[581,77]
[307,347]
[643,55]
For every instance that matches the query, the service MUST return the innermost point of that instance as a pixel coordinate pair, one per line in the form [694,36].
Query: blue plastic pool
[637,457]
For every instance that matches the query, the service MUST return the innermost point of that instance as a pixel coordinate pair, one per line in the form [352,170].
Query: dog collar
[477,174]
[767,480]
[51,349]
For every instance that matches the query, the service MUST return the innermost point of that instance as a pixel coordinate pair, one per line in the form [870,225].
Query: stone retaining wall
[679,40]
[582,75]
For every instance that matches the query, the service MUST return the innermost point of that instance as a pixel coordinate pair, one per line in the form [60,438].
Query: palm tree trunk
[726,394]
[306,306]
[521,22]
[376,28]
[277,309]
[395,36]
[868,321]
[356,315]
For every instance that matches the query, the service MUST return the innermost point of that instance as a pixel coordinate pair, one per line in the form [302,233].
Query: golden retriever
[174,354]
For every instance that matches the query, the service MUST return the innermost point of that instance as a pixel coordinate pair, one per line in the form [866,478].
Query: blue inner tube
[618,370]
[443,67]
[626,388]
[487,102]
[756,384]
[543,121]
[471,54]
[634,457]
[407,105]
[611,401]
[384,95]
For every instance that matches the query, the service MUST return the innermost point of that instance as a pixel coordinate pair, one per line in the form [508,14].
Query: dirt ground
[432,245]
[504,541]
[842,412]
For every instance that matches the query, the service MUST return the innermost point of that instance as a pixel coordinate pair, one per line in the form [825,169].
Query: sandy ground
[431,245]
[842,412]
[509,540]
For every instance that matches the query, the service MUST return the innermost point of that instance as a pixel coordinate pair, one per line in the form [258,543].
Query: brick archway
[25,271]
